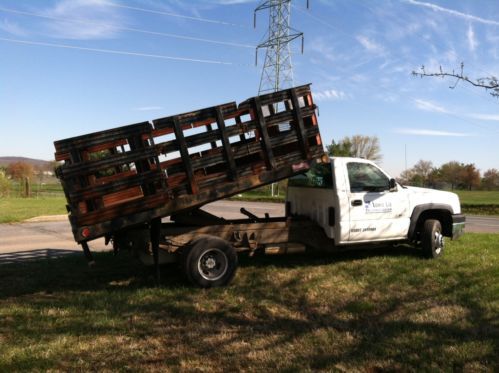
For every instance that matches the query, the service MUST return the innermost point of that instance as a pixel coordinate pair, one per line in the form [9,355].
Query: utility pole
[277,72]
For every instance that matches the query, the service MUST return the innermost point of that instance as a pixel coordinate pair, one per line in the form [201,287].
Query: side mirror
[392,185]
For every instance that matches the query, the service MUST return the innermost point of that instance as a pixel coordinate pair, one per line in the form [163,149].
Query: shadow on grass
[312,258]
[33,255]
[70,272]
[352,315]
[50,270]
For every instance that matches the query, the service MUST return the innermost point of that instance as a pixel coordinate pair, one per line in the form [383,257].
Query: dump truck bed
[130,175]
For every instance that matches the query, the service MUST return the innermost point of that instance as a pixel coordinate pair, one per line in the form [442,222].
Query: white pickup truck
[338,203]
[356,202]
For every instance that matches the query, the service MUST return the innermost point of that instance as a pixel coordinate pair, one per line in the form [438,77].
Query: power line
[170,14]
[185,37]
[110,51]
[321,21]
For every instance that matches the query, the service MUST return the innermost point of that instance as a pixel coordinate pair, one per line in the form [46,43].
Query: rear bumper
[458,223]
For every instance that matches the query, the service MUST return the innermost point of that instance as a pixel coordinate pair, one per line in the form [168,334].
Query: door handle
[357,202]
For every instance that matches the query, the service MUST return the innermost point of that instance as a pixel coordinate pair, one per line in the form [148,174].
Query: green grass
[379,310]
[478,197]
[479,202]
[38,189]
[14,209]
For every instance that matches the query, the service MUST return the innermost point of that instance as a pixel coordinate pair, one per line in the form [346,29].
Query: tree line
[452,174]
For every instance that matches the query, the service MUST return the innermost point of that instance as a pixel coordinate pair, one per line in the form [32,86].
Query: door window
[365,177]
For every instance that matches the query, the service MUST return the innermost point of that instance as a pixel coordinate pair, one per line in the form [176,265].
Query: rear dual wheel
[210,262]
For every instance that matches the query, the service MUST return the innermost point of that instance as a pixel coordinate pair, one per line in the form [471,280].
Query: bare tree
[421,174]
[366,147]
[406,177]
[490,83]
[359,146]
[424,170]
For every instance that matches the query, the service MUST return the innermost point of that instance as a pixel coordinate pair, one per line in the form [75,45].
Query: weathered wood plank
[262,128]
[227,149]
[184,153]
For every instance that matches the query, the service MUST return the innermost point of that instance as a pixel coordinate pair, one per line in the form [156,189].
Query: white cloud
[95,20]
[427,132]
[325,50]
[491,117]
[12,28]
[430,106]
[359,78]
[329,95]
[148,108]
[369,44]
[472,43]
[451,56]
[467,16]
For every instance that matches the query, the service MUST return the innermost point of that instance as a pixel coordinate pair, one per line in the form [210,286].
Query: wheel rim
[439,242]
[212,264]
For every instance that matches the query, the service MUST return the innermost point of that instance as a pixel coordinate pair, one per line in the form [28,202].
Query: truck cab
[355,202]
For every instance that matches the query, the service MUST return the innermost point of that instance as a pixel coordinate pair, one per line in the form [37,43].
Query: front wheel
[432,239]
[210,262]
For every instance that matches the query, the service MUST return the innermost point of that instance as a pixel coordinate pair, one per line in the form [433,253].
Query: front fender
[440,211]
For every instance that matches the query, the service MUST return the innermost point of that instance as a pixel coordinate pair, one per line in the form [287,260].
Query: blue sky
[68,67]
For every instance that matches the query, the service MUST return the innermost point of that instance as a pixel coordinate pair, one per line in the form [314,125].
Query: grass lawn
[479,202]
[478,197]
[379,310]
[14,209]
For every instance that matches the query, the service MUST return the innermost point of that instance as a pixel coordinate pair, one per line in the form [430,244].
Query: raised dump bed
[130,175]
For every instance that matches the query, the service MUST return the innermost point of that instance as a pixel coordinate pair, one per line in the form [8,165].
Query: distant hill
[39,163]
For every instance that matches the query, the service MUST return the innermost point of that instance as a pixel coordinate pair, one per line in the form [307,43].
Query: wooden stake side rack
[130,175]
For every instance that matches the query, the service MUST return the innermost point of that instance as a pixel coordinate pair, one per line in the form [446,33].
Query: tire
[210,262]
[432,240]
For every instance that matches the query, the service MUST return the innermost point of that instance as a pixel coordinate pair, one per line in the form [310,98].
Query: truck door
[376,213]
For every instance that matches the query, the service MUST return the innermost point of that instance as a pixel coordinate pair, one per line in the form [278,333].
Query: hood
[420,196]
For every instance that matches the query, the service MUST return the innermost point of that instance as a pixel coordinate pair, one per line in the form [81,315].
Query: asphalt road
[53,238]
[482,224]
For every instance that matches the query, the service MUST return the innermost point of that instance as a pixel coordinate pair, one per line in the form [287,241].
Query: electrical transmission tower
[277,70]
